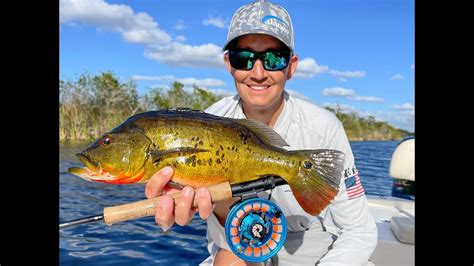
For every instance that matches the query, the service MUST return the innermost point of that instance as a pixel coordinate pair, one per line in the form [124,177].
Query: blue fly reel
[255,229]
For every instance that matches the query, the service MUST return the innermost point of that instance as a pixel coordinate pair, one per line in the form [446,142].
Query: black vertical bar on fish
[255,186]
[81,221]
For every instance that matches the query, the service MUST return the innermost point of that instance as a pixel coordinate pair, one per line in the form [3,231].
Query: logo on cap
[277,22]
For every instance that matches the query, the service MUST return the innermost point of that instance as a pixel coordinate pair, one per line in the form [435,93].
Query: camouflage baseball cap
[264,18]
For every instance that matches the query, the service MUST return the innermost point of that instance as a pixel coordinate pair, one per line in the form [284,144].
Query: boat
[395,215]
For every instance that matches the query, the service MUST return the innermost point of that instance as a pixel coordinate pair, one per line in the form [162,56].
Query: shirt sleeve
[349,212]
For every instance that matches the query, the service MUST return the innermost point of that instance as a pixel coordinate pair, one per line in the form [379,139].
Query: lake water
[140,242]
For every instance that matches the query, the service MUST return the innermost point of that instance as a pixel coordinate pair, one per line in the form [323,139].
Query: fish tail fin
[319,175]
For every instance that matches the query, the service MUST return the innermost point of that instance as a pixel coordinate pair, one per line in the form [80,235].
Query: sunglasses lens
[241,59]
[272,60]
[275,60]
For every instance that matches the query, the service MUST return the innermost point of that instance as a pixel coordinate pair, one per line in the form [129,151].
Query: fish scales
[232,151]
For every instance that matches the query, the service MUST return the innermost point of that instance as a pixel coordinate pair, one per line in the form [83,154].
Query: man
[260,57]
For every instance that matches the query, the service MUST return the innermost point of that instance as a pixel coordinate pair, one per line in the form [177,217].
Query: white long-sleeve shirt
[305,125]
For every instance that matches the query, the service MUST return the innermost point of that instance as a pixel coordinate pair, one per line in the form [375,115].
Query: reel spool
[255,229]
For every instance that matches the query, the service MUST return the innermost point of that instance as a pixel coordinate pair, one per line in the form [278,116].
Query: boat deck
[389,250]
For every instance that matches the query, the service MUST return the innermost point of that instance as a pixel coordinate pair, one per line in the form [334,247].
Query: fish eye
[307,164]
[106,140]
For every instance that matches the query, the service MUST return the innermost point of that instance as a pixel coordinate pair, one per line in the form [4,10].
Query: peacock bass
[204,150]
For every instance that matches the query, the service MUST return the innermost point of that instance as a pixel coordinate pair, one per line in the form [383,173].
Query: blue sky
[355,53]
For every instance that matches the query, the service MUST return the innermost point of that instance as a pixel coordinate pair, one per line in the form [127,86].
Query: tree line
[92,105]
[359,128]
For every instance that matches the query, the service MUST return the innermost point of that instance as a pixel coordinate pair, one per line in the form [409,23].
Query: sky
[355,54]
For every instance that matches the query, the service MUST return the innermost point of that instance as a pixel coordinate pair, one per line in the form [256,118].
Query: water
[141,242]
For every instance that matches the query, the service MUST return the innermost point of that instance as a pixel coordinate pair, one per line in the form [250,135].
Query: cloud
[397,77]
[142,29]
[180,38]
[179,25]
[178,54]
[207,82]
[350,94]
[308,68]
[406,108]
[404,116]
[215,21]
[412,67]
[398,120]
[339,92]
[343,75]
[369,99]
[403,121]
[134,27]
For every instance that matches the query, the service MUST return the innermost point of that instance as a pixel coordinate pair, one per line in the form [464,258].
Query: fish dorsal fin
[263,132]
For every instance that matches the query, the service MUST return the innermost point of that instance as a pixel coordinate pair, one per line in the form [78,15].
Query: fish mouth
[88,162]
[93,171]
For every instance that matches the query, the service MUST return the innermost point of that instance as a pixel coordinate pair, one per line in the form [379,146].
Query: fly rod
[147,207]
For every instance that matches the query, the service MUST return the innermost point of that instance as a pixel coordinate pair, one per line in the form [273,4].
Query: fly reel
[255,229]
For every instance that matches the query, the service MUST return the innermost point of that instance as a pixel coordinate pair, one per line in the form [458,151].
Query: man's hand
[166,213]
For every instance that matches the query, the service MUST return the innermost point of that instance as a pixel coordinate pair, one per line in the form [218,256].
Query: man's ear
[227,62]
[292,66]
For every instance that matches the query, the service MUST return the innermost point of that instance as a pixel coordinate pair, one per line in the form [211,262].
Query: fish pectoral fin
[158,155]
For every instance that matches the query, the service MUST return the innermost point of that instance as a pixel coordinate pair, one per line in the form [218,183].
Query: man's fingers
[164,212]
[167,213]
[158,181]
[184,211]
[203,198]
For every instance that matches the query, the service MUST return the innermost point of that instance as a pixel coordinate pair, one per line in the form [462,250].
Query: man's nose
[258,72]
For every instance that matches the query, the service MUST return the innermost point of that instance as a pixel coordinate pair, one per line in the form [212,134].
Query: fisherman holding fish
[260,57]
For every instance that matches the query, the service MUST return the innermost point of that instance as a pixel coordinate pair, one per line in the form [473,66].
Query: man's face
[258,88]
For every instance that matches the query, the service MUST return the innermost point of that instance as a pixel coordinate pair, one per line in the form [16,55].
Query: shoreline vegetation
[90,106]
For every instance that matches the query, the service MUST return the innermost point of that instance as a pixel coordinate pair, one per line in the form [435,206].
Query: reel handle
[147,207]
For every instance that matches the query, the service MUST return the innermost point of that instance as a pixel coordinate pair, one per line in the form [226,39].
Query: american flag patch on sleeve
[354,187]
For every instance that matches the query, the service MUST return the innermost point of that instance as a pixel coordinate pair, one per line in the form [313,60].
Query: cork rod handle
[147,207]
